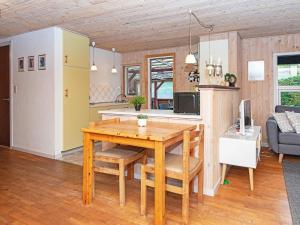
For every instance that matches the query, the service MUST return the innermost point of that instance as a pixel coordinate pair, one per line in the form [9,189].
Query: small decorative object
[30,63]
[138,101]
[256,70]
[42,62]
[21,64]
[142,120]
[194,76]
[231,79]
[226,182]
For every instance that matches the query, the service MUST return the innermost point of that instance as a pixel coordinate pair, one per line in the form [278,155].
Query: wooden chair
[183,167]
[115,160]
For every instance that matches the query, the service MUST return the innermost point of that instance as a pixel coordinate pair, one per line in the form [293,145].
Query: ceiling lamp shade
[190,59]
[114,70]
[94,67]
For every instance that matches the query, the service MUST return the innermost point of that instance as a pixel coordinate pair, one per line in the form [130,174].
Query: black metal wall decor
[194,76]
[231,79]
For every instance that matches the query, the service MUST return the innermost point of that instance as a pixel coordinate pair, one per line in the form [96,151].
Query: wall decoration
[30,63]
[256,70]
[21,64]
[231,79]
[42,62]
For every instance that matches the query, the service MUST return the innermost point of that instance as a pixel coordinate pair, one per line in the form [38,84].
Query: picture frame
[21,64]
[31,63]
[256,70]
[42,62]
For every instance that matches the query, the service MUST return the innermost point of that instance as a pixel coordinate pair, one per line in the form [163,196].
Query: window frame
[125,79]
[277,88]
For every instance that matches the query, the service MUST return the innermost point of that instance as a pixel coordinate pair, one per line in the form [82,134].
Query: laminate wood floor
[36,190]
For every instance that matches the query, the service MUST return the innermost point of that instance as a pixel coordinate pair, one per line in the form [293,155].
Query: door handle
[66,59]
[67,93]
[6,99]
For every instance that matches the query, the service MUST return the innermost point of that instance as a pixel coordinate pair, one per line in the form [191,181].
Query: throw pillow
[283,122]
[294,119]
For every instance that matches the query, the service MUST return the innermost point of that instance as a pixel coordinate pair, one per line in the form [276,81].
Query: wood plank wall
[261,93]
[181,82]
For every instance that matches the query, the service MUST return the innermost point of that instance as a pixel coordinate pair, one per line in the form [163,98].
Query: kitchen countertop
[94,105]
[150,113]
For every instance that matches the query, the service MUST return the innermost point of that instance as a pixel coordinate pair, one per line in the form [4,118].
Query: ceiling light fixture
[114,69]
[190,58]
[94,67]
[211,67]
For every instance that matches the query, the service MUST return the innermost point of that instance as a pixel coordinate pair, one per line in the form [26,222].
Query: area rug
[291,171]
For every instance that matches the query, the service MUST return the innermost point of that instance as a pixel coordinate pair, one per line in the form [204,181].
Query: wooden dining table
[156,135]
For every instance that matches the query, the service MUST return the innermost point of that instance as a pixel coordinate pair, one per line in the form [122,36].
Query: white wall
[104,86]
[36,113]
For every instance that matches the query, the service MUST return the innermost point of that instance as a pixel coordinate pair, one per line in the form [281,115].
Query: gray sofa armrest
[272,132]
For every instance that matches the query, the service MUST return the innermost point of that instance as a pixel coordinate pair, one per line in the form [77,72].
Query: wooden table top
[155,131]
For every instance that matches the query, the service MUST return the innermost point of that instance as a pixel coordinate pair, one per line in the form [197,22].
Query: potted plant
[142,120]
[138,101]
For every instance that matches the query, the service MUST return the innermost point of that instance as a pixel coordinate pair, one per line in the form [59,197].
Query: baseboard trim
[265,144]
[33,152]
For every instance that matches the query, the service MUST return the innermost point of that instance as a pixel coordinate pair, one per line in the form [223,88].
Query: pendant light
[212,68]
[114,69]
[209,64]
[190,58]
[94,67]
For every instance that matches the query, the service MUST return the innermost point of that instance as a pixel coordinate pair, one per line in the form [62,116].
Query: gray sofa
[283,143]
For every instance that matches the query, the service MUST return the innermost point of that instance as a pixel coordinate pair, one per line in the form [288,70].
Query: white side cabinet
[240,150]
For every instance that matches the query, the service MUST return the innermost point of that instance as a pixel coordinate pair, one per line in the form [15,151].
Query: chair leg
[143,191]
[280,158]
[192,186]
[122,182]
[185,202]
[200,186]
[144,160]
[130,171]
[93,184]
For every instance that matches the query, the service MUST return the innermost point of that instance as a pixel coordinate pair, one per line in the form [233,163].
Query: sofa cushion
[294,119]
[283,122]
[289,138]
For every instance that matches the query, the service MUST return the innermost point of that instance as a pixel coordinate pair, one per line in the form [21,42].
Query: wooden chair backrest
[102,122]
[191,140]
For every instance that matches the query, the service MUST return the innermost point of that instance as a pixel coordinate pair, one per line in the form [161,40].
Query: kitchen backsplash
[103,93]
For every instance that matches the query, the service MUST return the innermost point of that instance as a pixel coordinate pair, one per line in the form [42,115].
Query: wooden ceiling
[130,25]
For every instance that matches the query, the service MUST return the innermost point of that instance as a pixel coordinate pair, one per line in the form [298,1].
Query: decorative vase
[142,122]
[137,107]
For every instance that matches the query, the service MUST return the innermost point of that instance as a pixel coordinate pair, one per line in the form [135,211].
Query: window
[161,81]
[288,80]
[132,80]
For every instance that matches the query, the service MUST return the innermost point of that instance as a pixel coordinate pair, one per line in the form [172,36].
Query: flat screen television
[187,102]
[245,115]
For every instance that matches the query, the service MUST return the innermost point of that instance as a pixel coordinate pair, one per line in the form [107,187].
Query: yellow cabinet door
[76,106]
[76,50]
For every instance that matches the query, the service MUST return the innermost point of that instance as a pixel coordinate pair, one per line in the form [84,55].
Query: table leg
[159,170]
[88,174]
[251,178]
[224,167]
